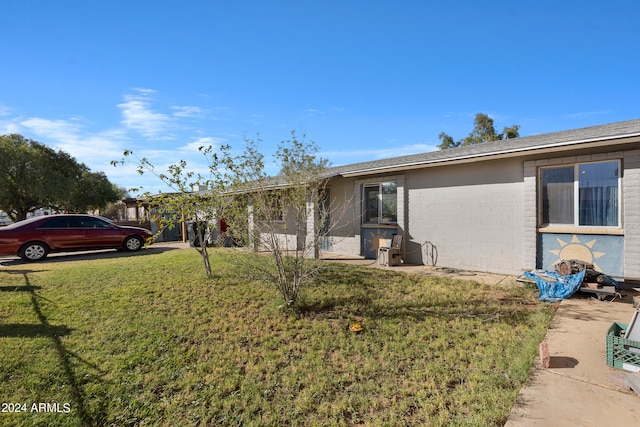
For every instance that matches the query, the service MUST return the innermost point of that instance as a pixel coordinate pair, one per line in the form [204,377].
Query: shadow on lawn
[483,304]
[53,332]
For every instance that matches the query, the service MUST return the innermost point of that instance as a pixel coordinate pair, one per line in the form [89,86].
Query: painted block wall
[631,213]
[471,213]
[483,216]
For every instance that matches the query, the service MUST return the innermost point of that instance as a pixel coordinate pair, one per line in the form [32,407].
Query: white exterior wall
[472,213]
[480,216]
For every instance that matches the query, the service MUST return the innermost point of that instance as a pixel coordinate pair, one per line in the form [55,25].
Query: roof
[600,135]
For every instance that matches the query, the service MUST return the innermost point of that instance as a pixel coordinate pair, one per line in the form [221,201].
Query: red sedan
[34,238]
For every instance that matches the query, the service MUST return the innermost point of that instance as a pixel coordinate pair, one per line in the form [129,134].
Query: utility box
[389,256]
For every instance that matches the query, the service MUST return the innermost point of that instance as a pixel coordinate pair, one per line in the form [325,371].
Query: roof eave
[500,154]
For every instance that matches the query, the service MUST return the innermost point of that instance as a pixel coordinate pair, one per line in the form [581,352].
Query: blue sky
[364,79]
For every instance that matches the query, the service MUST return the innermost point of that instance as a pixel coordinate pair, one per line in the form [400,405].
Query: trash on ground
[569,277]
[553,287]
[356,327]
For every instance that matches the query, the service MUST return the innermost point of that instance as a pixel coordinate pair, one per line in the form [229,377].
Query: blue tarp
[559,287]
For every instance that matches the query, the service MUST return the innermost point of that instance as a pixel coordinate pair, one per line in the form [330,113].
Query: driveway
[98,254]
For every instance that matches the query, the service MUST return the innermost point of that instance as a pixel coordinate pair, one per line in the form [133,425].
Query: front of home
[502,207]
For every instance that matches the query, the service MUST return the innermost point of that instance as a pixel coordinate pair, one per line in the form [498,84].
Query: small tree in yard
[275,208]
[180,205]
[259,210]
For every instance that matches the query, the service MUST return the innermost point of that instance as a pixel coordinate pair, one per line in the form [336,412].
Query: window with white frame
[380,203]
[582,194]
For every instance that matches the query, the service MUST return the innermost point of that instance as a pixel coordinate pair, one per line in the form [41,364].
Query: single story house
[503,206]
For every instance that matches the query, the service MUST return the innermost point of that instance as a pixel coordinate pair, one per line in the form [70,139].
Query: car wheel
[133,243]
[34,251]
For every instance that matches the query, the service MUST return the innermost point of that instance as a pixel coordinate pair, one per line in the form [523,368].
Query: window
[380,203]
[88,222]
[61,222]
[270,207]
[584,194]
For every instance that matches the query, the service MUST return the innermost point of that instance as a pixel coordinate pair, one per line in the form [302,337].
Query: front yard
[147,340]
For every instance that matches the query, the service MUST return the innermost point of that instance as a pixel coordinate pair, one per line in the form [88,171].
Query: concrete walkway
[577,388]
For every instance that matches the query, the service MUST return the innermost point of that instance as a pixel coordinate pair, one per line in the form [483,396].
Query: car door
[62,232]
[100,234]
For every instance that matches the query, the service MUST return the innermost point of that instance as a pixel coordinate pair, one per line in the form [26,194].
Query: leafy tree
[483,131]
[34,176]
[93,191]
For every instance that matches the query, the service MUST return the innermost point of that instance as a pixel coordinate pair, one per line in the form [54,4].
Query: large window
[380,203]
[586,194]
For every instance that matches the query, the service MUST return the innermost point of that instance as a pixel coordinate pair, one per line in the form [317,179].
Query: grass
[146,340]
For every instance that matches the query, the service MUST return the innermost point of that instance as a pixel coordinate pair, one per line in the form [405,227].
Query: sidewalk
[576,390]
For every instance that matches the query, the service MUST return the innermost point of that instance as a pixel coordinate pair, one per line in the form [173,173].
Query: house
[136,212]
[502,207]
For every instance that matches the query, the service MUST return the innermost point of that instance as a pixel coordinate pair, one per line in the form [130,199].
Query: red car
[34,238]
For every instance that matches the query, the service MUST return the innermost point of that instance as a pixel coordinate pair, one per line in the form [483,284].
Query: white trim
[590,229]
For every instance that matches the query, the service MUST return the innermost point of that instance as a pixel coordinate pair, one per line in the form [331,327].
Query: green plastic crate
[620,350]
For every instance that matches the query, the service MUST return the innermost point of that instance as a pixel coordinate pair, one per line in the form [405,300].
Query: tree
[483,131]
[93,191]
[34,176]
[179,205]
[259,210]
[291,204]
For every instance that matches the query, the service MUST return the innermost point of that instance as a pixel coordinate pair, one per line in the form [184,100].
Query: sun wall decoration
[578,250]
[604,251]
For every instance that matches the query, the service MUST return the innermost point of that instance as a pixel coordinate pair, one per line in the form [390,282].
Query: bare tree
[281,216]
[180,205]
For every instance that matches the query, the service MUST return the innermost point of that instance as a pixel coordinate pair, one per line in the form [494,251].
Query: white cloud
[55,129]
[8,127]
[203,142]
[345,157]
[69,136]
[186,111]
[137,115]
[312,112]
[4,110]
[145,91]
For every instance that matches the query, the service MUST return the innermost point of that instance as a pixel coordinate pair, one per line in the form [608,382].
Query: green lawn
[148,340]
